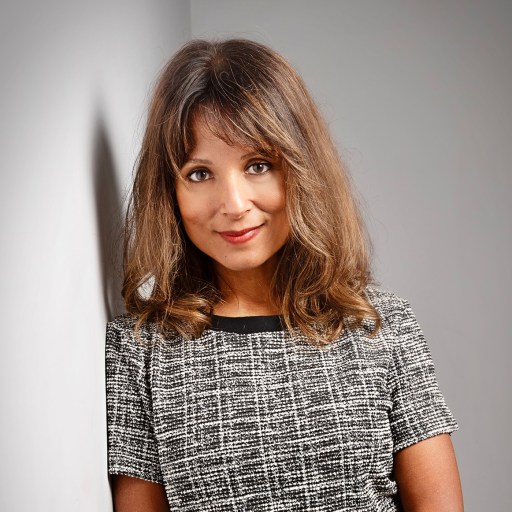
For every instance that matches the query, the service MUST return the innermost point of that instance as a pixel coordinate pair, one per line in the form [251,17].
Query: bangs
[236,97]
[234,114]
[243,122]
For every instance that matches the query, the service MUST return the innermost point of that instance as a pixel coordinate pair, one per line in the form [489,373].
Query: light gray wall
[75,79]
[418,98]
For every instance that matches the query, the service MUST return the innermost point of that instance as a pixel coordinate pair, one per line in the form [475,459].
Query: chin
[246,265]
[241,267]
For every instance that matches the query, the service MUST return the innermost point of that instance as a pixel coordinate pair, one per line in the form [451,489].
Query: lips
[241,236]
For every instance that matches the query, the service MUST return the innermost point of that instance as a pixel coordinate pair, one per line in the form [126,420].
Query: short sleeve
[418,408]
[132,448]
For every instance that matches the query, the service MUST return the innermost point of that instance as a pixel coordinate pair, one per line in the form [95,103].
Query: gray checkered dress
[250,418]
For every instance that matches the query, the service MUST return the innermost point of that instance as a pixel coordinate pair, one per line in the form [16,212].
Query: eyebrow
[248,155]
[198,161]
[208,162]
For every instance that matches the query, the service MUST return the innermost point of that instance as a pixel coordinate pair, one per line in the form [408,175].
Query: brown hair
[247,94]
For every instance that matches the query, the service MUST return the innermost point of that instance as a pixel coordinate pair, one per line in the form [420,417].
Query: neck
[246,293]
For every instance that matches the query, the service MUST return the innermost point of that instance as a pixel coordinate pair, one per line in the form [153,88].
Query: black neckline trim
[247,324]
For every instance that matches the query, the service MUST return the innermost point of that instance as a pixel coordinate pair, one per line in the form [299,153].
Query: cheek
[275,207]
[272,197]
[195,226]
[193,212]
[276,203]
[280,212]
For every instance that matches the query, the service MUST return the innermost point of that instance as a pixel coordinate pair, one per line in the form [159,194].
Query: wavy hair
[248,95]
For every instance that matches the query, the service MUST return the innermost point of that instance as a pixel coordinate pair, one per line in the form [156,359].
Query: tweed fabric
[265,422]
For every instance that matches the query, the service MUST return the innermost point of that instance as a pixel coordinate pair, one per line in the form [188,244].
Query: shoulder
[121,323]
[391,307]
[125,325]
[122,338]
[401,332]
[383,298]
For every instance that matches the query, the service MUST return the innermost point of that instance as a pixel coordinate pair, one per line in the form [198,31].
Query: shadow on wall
[109,218]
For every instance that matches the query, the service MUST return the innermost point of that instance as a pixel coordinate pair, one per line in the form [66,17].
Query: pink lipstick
[238,237]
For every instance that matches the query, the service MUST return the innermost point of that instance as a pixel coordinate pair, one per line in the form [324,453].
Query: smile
[239,237]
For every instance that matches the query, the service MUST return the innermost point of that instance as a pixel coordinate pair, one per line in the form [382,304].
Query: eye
[198,175]
[259,168]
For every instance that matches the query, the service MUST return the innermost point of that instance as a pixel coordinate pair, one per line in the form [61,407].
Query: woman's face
[232,203]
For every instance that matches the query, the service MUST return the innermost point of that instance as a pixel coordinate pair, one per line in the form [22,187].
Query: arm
[132,444]
[425,467]
[427,476]
[137,495]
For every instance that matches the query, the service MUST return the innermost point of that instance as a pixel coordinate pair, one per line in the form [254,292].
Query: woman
[257,369]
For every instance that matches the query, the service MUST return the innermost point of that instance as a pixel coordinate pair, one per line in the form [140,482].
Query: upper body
[247,417]
[241,208]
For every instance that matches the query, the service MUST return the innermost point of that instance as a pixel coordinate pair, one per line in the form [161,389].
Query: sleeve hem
[447,429]
[142,475]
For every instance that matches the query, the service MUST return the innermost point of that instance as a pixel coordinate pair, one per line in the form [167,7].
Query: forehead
[203,134]
[204,137]
[232,125]
[208,139]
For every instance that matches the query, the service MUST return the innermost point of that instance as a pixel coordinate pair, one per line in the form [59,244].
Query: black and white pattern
[262,421]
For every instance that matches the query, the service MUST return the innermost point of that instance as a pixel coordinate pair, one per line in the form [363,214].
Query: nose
[234,196]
